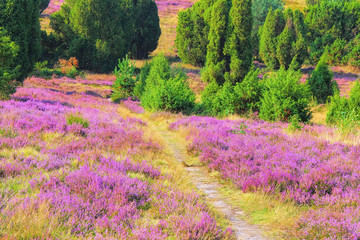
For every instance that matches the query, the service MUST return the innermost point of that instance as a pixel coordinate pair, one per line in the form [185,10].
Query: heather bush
[322,83]
[124,84]
[284,96]
[8,73]
[166,90]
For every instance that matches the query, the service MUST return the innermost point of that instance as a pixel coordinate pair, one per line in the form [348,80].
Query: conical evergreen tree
[238,46]
[20,19]
[273,26]
[215,59]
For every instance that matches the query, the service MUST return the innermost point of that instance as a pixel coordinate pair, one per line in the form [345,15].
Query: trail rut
[210,187]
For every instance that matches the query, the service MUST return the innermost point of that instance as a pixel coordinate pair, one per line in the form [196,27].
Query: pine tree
[238,46]
[20,18]
[215,59]
[285,41]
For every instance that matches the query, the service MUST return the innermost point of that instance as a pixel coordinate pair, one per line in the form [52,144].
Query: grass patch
[77,119]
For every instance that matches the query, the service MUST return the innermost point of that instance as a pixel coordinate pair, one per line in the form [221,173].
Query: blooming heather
[259,156]
[71,167]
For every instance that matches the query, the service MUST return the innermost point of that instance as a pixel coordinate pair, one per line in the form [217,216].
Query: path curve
[210,187]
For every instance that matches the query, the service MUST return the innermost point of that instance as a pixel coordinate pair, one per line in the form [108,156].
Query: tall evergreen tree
[215,58]
[238,46]
[20,18]
[8,71]
[146,29]
[273,26]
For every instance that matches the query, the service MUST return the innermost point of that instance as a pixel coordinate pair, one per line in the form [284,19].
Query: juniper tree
[215,58]
[238,48]
[20,19]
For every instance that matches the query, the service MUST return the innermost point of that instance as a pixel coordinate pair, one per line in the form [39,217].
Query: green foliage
[42,70]
[43,5]
[8,56]
[99,32]
[208,96]
[322,83]
[192,33]
[343,109]
[125,78]
[284,97]
[331,24]
[283,39]
[166,90]
[260,9]
[223,103]
[20,19]
[146,29]
[295,123]
[141,82]
[248,93]
[273,26]
[238,47]
[71,119]
[335,53]
[352,50]
[215,58]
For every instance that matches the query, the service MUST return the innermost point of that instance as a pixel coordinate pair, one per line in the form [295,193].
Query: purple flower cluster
[259,156]
[72,169]
[133,106]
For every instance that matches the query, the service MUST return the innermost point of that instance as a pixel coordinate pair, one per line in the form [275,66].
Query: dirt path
[210,187]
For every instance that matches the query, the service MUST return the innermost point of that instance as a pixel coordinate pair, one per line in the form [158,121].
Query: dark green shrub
[8,55]
[284,96]
[20,19]
[248,93]
[124,84]
[166,90]
[322,83]
[146,29]
[99,32]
